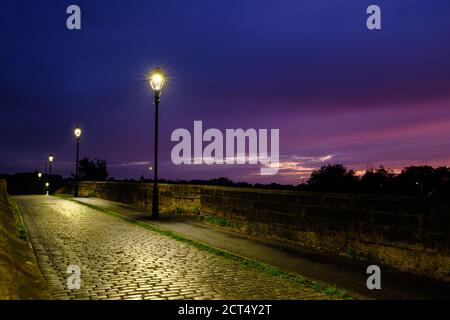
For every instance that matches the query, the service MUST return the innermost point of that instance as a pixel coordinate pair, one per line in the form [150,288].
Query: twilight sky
[338,92]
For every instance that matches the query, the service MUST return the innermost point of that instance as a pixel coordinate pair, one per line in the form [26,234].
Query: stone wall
[3,186]
[407,233]
[173,198]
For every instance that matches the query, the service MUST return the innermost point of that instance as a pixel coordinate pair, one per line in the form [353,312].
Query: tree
[333,178]
[415,180]
[441,185]
[96,170]
[376,181]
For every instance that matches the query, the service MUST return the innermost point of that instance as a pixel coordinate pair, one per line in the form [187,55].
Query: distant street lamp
[39,178]
[157,80]
[45,175]
[420,186]
[50,161]
[77,133]
[47,187]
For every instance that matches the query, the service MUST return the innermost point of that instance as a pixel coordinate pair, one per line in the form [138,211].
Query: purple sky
[338,92]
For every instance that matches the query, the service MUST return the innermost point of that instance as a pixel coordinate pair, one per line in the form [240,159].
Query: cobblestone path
[119,260]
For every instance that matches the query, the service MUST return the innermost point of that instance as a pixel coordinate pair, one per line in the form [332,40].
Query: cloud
[132,164]
[300,165]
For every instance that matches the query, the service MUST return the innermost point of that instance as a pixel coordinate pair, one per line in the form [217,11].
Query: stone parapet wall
[409,234]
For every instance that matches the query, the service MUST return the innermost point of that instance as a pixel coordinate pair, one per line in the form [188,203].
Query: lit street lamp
[39,178]
[47,187]
[77,133]
[157,80]
[45,175]
[50,161]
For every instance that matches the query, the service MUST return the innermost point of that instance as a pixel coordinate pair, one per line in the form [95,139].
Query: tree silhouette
[333,178]
[377,180]
[96,170]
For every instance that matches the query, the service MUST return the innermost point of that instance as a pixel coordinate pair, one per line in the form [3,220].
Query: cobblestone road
[119,260]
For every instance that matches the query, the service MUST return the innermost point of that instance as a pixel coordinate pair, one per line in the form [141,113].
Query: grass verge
[20,225]
[216,220]
[320,287]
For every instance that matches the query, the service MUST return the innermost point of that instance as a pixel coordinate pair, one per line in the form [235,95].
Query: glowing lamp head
[39,174]
[157,79]
[51,158]
[77,132]
[47,184]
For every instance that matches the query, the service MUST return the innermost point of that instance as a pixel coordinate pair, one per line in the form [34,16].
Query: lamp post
[39,174]
[45,176]
[47,187]
[77,133]
[50,161]
[157,80]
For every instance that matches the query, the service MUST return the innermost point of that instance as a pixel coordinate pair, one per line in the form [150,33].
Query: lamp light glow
[51,158]
[157,79]
[77,132]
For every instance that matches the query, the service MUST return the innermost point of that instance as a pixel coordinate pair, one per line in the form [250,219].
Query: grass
[220,221]
[178,211]
[330,291]
[20,225]
[351,253]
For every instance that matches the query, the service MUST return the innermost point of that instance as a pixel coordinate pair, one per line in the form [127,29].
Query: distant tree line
[423,181]
[419,181]
[31,183]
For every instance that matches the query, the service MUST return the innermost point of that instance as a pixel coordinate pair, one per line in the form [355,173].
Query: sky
[338,92]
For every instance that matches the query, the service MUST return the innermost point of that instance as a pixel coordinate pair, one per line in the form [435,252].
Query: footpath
[339,271]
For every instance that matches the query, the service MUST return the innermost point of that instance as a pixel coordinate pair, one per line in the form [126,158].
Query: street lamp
[77,133]
[157,80]
[46,187]
[50,161]
[40,180]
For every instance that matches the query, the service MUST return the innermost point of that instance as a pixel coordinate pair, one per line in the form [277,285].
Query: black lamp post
[77,133]
[45,177]
[157,80]
[39,174]
[50,161]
